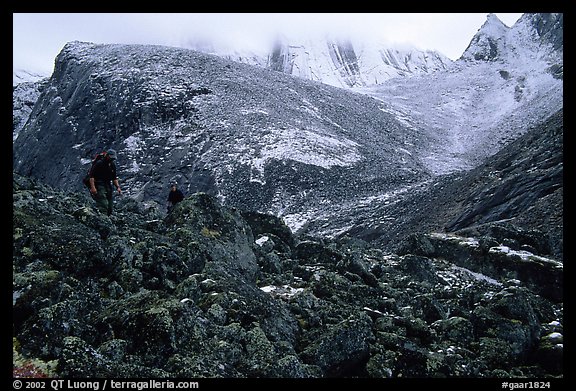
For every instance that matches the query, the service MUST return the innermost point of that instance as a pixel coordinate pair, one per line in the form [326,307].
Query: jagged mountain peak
[215,125]
[488,42]
[493,22]
[533,37]
[508,78]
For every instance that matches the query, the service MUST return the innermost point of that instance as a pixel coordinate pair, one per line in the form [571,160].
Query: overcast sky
[39,37]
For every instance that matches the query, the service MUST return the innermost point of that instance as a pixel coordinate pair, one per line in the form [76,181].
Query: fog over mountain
[341,62]
[364,166]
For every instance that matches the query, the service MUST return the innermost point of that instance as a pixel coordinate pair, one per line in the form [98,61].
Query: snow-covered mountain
[272,142]
[386,268]
[258,139]
[472,111]
[507,80]
[335,61]
[533,37]
[26,88]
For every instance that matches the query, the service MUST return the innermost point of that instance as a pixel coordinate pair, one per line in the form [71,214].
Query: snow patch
[284,291]
[253,111]
[134,168]
[470,242]
[477,276]
[133,143]
[298,145]
[262,240]
[308,147]
[368,309]
[296,221]
[526,256]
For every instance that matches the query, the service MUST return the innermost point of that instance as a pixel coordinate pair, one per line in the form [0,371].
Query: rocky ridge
[213,291]
[256,138]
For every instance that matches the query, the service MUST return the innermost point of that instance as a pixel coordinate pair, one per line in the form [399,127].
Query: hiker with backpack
[101,177]
[174,196]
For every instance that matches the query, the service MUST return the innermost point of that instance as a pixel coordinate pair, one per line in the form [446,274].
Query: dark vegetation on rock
[212,291]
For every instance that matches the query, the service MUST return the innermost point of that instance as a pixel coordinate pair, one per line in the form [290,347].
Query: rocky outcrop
[212,291]
[489,42]
[253,137]
[486,255]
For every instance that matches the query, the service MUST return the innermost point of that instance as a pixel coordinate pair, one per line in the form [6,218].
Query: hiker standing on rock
[102,177]
[174,196]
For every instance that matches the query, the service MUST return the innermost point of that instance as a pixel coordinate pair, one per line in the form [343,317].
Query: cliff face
[248,135]
[541,35]
[24,97]
[210,291]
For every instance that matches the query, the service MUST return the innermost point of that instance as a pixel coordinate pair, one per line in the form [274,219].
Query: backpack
[86,179]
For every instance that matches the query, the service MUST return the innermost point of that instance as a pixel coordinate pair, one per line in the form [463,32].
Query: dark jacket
[103,170]
[175,196]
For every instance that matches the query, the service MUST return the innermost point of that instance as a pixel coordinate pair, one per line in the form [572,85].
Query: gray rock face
[489,42]
[528,171]
[257,139]
[494,41]
[543,275]
[198,294]
[549,26]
